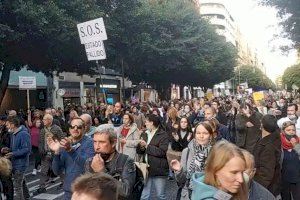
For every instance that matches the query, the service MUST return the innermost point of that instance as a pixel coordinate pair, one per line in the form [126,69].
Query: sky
[258,24]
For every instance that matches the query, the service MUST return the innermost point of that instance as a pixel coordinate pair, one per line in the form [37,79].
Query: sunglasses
[79,127]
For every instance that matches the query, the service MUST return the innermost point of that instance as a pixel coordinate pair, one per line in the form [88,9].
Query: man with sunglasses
[70,154]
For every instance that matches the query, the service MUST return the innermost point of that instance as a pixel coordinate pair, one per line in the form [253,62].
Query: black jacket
[267,153]
[247,137]
[157,153]
[4,137]
[122,168]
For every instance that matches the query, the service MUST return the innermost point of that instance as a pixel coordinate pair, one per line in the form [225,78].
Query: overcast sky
[258,24]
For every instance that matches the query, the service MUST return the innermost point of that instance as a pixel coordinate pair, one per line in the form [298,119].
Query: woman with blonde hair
[223,175]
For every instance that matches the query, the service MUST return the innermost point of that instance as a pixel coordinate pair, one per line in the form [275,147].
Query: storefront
[16,99]
[110,88]
[70,94]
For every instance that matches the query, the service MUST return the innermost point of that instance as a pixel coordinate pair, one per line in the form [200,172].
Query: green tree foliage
[172,44]
[43,35]
[289,12]
[292,76]
[159,42]
[254,76]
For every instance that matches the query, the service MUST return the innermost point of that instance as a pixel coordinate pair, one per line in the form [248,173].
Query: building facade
[16,99]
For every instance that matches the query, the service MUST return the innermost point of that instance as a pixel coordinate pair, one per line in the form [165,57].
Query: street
[55,191]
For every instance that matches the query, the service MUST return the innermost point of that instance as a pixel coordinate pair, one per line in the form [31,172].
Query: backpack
[139,180]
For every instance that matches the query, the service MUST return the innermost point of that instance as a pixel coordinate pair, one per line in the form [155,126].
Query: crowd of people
[222,148]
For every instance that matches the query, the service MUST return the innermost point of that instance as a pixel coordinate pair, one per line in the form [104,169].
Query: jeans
[159,184]
[45,167]
[20,186]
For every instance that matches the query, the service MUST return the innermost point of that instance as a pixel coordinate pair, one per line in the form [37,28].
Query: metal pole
[101,82]
[239,75]
[28,100]
[123,81]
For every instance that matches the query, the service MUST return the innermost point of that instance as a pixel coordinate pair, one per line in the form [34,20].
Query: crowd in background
[222,148]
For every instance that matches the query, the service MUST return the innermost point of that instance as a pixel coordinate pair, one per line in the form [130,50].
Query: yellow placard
[209,96]
[257,96]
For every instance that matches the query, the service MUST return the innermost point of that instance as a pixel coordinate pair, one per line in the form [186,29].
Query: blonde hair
[172,113]
[249,158]
[5,166]
[221,153]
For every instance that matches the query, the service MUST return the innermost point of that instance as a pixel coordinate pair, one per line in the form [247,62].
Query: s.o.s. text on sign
[92,30]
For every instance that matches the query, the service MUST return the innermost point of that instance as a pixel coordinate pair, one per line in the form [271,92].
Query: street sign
[61,92]
[95,50]
[92,31]
[27,82]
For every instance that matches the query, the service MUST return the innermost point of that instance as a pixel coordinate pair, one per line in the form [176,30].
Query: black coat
[4,137]
[247,138]
[157,153]
[267,153]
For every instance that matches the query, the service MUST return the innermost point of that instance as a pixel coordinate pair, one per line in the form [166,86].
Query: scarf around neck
[285,143]
[198,161]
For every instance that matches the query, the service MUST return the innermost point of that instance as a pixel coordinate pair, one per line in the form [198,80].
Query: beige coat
[132,140]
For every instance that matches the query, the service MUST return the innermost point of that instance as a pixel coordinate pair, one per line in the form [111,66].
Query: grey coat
[132,140]
[181,176]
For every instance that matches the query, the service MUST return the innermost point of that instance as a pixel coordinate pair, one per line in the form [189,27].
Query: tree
[255,78]
[156,44]
[292,76]
[177,47]
[289,12]
[43,36]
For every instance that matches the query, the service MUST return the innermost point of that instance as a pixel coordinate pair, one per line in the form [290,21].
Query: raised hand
[249,124]
[66,143]
[53,145]
[175,165]
[97,163]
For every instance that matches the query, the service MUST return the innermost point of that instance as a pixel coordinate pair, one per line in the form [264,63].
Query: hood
[21,129]
[204,191]
[201,190]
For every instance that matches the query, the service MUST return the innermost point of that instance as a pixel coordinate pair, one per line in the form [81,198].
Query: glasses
[79,127]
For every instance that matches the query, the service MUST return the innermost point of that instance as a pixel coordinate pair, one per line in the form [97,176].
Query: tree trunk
[4,81]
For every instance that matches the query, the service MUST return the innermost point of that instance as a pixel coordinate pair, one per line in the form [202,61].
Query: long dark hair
[189,126]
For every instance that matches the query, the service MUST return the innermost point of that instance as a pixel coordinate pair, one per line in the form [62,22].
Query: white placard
[92,30]
[95,50]
[27,82]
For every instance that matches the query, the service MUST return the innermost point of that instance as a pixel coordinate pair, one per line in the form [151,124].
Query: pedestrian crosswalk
[54,188]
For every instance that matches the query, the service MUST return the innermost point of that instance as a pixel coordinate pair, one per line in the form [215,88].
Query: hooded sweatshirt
[207,192]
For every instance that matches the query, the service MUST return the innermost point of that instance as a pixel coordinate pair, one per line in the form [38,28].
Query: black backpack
[139,180]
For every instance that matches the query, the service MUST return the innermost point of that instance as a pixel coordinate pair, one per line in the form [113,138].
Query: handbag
[143,167]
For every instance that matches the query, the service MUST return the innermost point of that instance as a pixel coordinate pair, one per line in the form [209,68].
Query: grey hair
[107,129]
[48,116]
